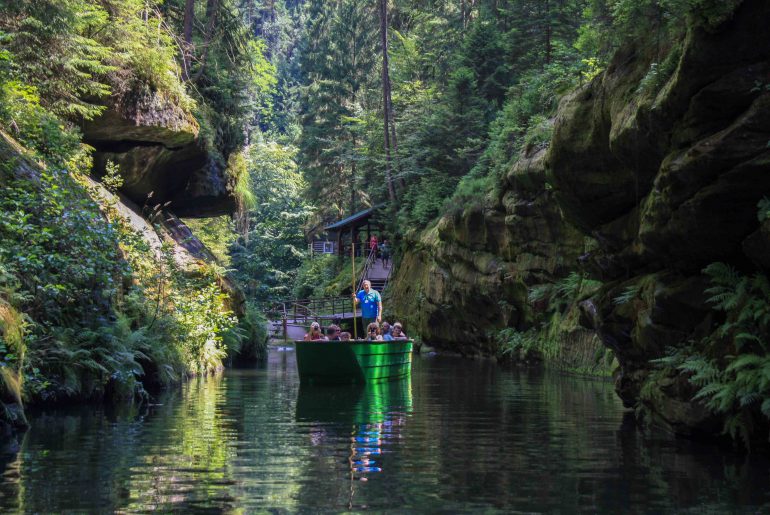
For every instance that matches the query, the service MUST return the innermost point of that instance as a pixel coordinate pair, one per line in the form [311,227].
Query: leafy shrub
[22,115]
[517,344]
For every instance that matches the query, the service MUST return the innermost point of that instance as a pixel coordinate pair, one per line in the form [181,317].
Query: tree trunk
[189,19]
[212,8]
[386,97]
[548,43]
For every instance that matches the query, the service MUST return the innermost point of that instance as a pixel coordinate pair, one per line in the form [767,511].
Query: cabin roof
[354,220]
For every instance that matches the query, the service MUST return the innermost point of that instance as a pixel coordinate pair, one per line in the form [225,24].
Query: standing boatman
[370,302]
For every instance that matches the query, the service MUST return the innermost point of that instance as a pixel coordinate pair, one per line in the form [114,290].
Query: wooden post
[285,330]
[353,256]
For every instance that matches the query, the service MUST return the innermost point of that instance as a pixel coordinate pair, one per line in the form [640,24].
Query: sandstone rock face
[668,181]
[155,143]
[671,177]
[471,272]
[664,175]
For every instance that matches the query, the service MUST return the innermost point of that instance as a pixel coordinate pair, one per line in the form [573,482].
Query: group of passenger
[374,332]
[333,332]
[387,333]
[371,314]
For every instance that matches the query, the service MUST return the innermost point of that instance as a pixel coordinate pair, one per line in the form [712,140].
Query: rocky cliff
[657,169]
[470,274]
[154,141]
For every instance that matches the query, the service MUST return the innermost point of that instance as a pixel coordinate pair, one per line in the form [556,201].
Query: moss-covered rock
[154,141]
[470,274]
[668,180]
[670,176]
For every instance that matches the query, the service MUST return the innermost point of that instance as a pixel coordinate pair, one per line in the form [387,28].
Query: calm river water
[459,436]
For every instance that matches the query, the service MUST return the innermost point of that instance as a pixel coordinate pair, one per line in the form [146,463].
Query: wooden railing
[302,312]
[370,258]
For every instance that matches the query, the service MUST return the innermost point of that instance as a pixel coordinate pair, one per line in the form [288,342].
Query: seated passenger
[345,337]
[373,332]
[398,332]
[386,334]
[333,332]
[315,332]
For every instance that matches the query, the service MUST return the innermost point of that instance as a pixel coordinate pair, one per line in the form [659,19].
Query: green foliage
[337,65]
[637,16]
[272,245]
[112,178]
[659,73]
[763,209]
[521,345]
[564,292]
[628,294]
[731,367]
[53,238]
[217,234]
[314,275]
[198,310]
[52,46]
[252,333]
[554,315]
[22,114]
[143,45]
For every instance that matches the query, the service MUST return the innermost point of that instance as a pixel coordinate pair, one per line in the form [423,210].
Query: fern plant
[731,367]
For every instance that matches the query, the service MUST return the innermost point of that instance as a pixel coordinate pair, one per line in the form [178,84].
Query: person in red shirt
[373,245]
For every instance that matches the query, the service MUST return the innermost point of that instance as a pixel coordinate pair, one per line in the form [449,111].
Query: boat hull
[338,362]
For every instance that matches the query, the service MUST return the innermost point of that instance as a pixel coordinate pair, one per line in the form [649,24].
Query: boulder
[154,141]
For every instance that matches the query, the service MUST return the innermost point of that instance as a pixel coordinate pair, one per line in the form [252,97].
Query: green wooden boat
[338,362]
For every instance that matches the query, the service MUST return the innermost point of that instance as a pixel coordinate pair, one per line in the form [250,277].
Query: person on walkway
[370,302]
[373,245]
[315,332]
[385,253]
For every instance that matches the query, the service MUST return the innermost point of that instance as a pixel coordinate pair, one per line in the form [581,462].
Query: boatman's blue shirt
[369,303]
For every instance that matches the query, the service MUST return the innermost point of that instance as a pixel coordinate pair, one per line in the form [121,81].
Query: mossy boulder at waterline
[154,140]
[13,348]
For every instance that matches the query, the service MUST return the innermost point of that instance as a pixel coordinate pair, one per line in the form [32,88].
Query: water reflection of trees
[538,441]
[463,436]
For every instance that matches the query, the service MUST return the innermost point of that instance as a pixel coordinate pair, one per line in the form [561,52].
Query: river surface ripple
[459,436]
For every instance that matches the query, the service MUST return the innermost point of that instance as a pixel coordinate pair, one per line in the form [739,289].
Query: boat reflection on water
[373,416]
